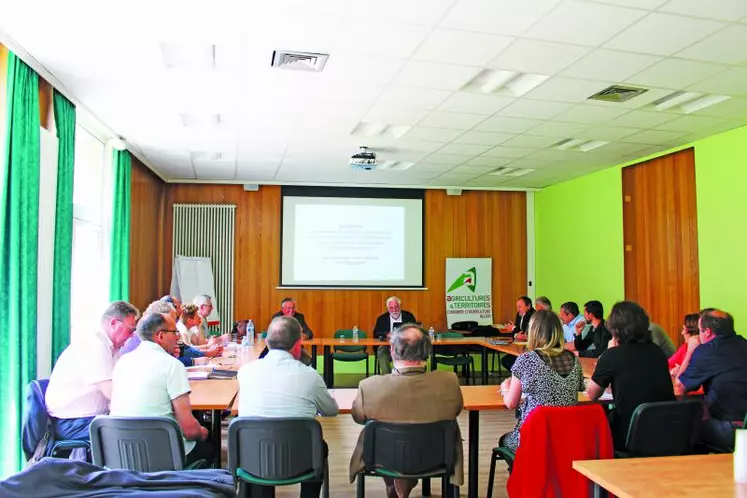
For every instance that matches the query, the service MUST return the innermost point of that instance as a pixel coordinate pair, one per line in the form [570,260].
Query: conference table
[215,396]
[683,476]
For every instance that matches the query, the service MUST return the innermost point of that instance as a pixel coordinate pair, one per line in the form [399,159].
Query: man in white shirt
[150,382]
[279,386]
[570,316]
[80,386]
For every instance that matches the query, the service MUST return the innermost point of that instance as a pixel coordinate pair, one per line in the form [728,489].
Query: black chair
[276,452]
[456,356]
[143,444]
[466,326]
[37,425]
[410,451]
[666,428]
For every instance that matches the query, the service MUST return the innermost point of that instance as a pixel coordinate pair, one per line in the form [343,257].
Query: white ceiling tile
[501,151]
[249,175]
[419,133]
[452,179]
[394,115]
[675,73]
[424,12]
[609,65]
[475,103]
[726,46]
[643,119]
[535,109]
[489,181]
[663,34]
[482,138]
[591,114]
[452,120]
[492,162]
[537,57]
[407,145]
[730,82]
[465,149]
[725,10]
[472,170]
[438,168]
[560,89]
[654,136]
[637,4]
[417,177]
[390,40]
[461,47]
[454,159]
[497,16]
[432,75]
[692,124]
[530,142]
[507,125]
[733,108]
[558,129]
[584,23]
[346,69]
[408,96]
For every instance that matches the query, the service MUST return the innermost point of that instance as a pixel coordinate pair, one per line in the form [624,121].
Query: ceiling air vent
[618,93]
[300,61]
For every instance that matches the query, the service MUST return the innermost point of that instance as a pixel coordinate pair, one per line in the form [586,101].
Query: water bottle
[355,333]
[245,345]
[432,334]
[250,332]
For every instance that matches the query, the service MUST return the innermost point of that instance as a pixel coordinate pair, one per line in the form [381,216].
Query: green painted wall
[579,240]
[721,176]
[573,265]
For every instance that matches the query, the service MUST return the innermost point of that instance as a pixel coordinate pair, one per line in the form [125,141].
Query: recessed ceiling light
[376,129]
[502,82]
[577,144]
[703,102]
[687,102]
[674,99]
[395,165]
[299,61]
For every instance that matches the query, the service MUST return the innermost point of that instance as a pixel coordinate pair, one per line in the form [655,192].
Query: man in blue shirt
[570,316]
[719,364]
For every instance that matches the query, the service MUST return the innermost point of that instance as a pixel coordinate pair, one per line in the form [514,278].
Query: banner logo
[467,279]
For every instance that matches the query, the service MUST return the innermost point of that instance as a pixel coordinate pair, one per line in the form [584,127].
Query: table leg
[434,361]
[599,492]
[313,356]
[484,366]
[426,487]
[474,448]
[329,376]
[215,434]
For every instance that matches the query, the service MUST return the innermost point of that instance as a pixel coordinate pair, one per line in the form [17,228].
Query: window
[89,265]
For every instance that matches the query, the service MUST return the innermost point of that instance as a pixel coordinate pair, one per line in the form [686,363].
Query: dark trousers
[717,434]
[383,357]
[308,489]
[72,428]
[203,450]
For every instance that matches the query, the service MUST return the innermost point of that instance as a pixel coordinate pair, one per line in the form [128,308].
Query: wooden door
[661,238]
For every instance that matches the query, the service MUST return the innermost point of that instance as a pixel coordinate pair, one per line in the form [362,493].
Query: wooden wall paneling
[475,224]
[46,105]
[146,237]
[660,232]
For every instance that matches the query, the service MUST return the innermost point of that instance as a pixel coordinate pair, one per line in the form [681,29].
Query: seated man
[200,335]
[719,364]
[80,386]
[295,390]
[570,316]
[385,324]
[288,308]
[598,336]
[518,327]
[412,395]
[543,303]
[150,382]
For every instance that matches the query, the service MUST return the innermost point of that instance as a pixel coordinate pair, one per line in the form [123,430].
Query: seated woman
[187,325]
[547,374]
[636,368]
[678,361]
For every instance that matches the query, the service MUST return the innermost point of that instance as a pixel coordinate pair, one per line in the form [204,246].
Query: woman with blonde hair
[546,375]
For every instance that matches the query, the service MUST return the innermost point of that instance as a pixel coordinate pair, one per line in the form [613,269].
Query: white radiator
[207,230]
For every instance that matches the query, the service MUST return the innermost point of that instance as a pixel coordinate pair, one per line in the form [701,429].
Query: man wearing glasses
[150,382]
[80,386]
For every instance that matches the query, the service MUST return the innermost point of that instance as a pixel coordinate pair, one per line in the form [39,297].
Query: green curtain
[64,117]
[19,228]
[119,286]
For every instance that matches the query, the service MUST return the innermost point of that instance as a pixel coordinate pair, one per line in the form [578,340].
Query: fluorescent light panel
[375,129]
[395,165]
[578,144]
[503,82]
[674,99]
[688,102]
[703,102]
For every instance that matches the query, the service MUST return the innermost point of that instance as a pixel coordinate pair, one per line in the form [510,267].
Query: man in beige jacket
[409,394]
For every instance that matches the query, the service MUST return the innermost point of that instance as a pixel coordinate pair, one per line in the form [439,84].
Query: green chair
[456,356]
[350,353]
[276,452]
[263,335]
[499,453]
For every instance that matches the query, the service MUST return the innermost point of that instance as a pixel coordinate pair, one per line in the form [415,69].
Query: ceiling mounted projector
[363,160]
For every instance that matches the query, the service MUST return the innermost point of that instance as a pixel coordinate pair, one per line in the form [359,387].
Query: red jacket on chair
[551,439]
